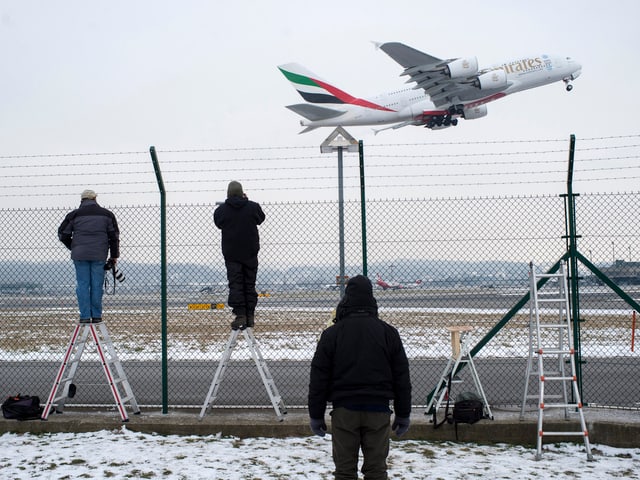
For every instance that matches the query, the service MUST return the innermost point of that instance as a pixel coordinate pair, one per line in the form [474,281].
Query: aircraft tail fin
[311,87]
[314,90]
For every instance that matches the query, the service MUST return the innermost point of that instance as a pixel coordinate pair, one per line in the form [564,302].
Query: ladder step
[557,397]
[579,434]
[561,405]
[552,300]
[549,351]
[548,275]
[553,325]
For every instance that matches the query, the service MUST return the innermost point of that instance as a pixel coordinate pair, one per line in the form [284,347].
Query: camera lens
[119,275]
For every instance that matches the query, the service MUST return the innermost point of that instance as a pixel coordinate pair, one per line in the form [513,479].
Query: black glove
[318,427]
[400,425]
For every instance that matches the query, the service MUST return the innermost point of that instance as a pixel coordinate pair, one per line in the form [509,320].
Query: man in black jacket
[360,366]
[91,233]
[238,218]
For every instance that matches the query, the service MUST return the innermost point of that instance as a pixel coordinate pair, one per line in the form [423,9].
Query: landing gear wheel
[569,87]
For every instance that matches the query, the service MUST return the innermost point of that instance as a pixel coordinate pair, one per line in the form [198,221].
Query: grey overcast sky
[88,76]
[84,76]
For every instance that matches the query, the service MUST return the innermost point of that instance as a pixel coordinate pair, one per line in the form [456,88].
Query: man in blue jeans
[91,233]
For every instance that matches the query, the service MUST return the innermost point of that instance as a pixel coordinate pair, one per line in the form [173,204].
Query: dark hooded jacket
[359,362]
[238,218]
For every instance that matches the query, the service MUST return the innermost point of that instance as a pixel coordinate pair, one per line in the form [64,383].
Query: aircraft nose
[577,73]
[576,66]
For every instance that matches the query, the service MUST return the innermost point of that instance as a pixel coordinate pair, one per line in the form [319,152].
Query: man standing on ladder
[238,218]
[91,233]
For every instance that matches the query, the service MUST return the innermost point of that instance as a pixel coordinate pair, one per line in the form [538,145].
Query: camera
[117,274]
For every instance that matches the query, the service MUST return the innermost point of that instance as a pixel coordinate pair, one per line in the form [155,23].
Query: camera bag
[22,407]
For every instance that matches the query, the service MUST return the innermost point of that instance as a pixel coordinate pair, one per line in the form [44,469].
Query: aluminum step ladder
[460,355]
[265,375]
[63,386]
[551,341]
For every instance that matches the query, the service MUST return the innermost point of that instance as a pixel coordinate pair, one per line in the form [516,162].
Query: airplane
[395,285]
[387,285]
[444,90]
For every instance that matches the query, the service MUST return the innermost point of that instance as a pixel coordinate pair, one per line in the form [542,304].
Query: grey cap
[88,195]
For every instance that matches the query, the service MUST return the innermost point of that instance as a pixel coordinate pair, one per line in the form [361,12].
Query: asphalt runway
[189,381]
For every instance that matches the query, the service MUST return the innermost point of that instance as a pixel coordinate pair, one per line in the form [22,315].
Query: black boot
[239,323]
[250,320]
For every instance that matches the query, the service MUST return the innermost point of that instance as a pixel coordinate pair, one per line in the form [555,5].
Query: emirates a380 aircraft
[441,91]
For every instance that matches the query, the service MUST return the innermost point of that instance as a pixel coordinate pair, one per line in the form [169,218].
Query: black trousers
[243,297]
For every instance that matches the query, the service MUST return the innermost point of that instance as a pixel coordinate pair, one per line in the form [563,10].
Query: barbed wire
[271,148]
[346,177]
[177,172]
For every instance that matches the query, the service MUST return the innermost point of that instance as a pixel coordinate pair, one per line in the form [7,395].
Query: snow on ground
[122,453]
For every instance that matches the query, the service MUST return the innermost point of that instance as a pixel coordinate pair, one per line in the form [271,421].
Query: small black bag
[22,407]
[468,408]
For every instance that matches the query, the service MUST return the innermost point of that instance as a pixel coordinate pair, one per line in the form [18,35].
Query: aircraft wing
[444,81]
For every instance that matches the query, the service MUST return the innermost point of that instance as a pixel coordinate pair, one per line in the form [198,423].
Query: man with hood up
[238,218]
[360,366]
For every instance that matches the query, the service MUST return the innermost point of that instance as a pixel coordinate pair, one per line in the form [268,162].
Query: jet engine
[475,112]
[462,67]
[490,80]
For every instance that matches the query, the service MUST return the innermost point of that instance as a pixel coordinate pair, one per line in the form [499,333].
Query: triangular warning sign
[339,138]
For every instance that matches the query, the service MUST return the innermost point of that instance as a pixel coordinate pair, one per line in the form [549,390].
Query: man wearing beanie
[360,366]
[91,233]
[238,218]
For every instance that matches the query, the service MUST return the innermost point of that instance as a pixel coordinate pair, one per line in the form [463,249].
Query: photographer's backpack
[468,408]
[22,407]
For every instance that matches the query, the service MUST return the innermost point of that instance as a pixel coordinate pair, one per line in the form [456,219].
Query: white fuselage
[408,103]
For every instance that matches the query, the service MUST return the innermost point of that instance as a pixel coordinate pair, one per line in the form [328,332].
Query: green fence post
[363,209]
[163,277]
[572,248]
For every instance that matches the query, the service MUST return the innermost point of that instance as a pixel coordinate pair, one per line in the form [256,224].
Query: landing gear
[569,87]
[445,120]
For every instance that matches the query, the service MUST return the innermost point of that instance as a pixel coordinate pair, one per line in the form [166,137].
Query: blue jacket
[90,232]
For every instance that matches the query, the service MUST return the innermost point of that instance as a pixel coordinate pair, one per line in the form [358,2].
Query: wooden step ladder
[460,355]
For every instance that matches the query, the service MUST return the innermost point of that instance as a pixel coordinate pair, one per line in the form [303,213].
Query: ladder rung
[561,405]
[581,434]
[551,300]
[553,325]
[548,275]
[547,351]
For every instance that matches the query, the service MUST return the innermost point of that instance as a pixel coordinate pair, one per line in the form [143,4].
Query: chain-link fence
[434,263]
